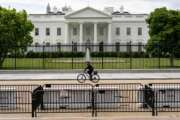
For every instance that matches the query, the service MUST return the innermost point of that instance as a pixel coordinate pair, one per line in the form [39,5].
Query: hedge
[32,54]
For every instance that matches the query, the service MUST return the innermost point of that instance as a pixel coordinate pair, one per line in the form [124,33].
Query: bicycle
[82,77]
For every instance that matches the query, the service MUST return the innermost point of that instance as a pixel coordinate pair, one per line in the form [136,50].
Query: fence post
[33,112]
[15,58]
[93,102]
[159,55]
[102,60]
[130,46]
[43,57]
[72,60]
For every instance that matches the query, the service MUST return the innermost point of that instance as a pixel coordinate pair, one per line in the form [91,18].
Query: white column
[95,33]
[66,33]
[109,33]
[81,35]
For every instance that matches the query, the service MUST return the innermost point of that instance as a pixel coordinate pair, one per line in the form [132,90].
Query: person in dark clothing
[89,69]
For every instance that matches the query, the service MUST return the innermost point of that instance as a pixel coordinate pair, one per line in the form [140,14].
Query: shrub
[32,54]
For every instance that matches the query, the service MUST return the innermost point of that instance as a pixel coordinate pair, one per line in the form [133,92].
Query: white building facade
[89,25]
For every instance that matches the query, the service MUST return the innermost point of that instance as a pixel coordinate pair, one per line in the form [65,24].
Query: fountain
[87,56]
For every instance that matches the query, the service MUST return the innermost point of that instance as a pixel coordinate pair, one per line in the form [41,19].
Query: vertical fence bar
[156,113]
[159,57]
[72,58]
[172,58]
[15,58]
[102,60]
[130,47]
[153,103]
[93,102]
[43,57]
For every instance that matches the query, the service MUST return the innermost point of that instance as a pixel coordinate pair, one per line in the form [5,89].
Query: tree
[164,31]
[15,29]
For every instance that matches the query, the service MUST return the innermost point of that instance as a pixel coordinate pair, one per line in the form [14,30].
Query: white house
[88,26]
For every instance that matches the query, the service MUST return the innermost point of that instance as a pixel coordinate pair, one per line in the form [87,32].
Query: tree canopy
[15,29]
[164,31]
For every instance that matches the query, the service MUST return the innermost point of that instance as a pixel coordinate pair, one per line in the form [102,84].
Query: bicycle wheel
[95,78]
[81,78]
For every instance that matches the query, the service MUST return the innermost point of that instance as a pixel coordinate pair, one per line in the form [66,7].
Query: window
[59,46]
[118,31]
[139,31]
[128,47]
[48,44]
[37,44]
[101,47]
[101,31]
[75,47]
[74,31]
[36,31]
[128,31]
[58,31]
[47,31]
[117,46]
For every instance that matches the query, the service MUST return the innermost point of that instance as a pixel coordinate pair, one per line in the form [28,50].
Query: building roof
[88,8]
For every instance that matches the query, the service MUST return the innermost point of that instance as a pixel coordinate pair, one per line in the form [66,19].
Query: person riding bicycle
[89,69]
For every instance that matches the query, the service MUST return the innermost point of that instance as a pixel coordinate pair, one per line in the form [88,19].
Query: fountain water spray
[87,57]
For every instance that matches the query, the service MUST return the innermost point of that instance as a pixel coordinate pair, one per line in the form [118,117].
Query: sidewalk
[85,116]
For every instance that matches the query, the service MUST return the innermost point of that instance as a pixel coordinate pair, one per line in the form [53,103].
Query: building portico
[88,32]
[86,28]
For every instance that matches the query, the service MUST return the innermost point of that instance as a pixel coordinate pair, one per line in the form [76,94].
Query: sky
[132,6]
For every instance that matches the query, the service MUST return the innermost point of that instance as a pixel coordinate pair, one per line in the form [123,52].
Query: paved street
[104,76]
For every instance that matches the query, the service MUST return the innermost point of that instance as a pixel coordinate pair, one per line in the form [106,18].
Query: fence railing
[16,98]
[121,56]
[87,98]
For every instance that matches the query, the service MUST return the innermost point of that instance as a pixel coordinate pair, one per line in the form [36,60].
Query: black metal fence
[87,98]
[115,56]
[16,98]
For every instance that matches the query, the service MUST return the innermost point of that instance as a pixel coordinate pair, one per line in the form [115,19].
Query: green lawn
[78,63]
